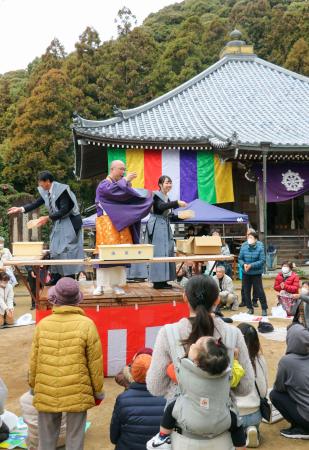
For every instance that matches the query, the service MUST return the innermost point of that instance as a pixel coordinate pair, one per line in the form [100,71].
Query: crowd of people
[200,387]
[205,382]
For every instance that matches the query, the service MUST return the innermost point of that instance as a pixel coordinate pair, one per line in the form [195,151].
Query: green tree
[170,47]
[41,137]
[5,102]
[125,21]
[125,77]
[51,59]
[298,57]
[183,56]
[8,197]
[82,68]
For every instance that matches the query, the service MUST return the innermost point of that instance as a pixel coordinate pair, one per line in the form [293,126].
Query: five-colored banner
[195,174]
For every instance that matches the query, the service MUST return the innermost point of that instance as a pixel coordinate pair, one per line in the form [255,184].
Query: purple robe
[124,205]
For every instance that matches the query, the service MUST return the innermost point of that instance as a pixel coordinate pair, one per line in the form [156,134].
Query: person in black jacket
[66,238]
[137,414]
[159,233]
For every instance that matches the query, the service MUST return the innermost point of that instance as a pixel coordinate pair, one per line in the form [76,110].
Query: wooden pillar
[265,148]
[260,211]
[265,198]
[306,213]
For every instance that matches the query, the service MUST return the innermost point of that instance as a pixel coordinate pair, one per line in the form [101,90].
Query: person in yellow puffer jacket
[66,367]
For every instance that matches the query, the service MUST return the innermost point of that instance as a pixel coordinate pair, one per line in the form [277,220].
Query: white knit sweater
[6,298]
[158,383]
[30,415]
[250,403]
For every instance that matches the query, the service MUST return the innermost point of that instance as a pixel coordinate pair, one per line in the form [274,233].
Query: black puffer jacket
[136,418]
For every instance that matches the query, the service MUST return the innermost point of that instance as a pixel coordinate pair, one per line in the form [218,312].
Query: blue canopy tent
[204,213]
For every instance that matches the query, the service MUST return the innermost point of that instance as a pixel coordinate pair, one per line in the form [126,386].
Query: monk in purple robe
[120,209]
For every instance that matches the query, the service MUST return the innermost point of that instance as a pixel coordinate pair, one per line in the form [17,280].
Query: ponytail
[202,292]
[202,325]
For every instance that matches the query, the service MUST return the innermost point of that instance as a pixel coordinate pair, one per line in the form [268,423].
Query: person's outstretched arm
[34,205]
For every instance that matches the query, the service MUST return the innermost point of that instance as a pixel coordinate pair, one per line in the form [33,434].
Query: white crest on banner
[240,219]
[292,181]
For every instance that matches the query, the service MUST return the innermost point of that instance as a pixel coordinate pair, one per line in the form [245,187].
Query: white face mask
[285,270]
[304,291]
[251,240]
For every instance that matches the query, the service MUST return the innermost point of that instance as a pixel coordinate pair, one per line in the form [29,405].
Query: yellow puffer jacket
[66,367]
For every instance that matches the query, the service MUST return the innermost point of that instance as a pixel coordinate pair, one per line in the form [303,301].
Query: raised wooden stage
[125,323]
[135,294]
[138,293]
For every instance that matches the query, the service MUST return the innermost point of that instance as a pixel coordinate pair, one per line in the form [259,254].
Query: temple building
[236,135]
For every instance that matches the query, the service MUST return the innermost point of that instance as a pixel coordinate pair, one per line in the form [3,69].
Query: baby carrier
[203,403]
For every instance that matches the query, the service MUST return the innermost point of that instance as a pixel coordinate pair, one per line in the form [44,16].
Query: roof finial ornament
[77,120]
[236,34]
[237,46]
[117,111]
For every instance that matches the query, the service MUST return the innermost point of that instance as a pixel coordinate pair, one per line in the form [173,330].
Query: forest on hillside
[171,46]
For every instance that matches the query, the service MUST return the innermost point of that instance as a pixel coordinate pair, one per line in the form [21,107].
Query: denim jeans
[250,420]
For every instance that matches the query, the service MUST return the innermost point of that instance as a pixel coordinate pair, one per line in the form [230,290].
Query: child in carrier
[203,407]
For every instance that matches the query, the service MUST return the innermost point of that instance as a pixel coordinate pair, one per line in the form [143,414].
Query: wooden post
[265,198]
[265,150]
[234,268]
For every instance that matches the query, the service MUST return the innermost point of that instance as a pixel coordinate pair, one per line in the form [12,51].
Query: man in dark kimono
[120,209]
[66,238]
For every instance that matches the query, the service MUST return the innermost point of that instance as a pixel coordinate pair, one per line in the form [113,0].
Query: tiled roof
[240,95]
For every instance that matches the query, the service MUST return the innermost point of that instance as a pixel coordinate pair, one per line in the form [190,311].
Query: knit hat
[139,368]
[143,351]
[66,292]
[265,327]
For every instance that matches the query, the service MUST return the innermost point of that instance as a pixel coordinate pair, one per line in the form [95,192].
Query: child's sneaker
[252,437]
[162,443]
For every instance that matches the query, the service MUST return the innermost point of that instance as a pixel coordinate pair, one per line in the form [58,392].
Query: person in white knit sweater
[30,416]
[6,300]
[202,294]
[249,405]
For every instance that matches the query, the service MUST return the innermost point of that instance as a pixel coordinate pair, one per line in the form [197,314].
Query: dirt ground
[14,354]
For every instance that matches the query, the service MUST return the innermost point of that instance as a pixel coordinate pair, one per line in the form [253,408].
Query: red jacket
[291,283]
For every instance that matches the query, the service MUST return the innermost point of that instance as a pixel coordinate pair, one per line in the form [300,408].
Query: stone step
[285,251]
[288,244]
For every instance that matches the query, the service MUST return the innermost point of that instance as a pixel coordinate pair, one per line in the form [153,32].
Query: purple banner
[188,176]
[284,181]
